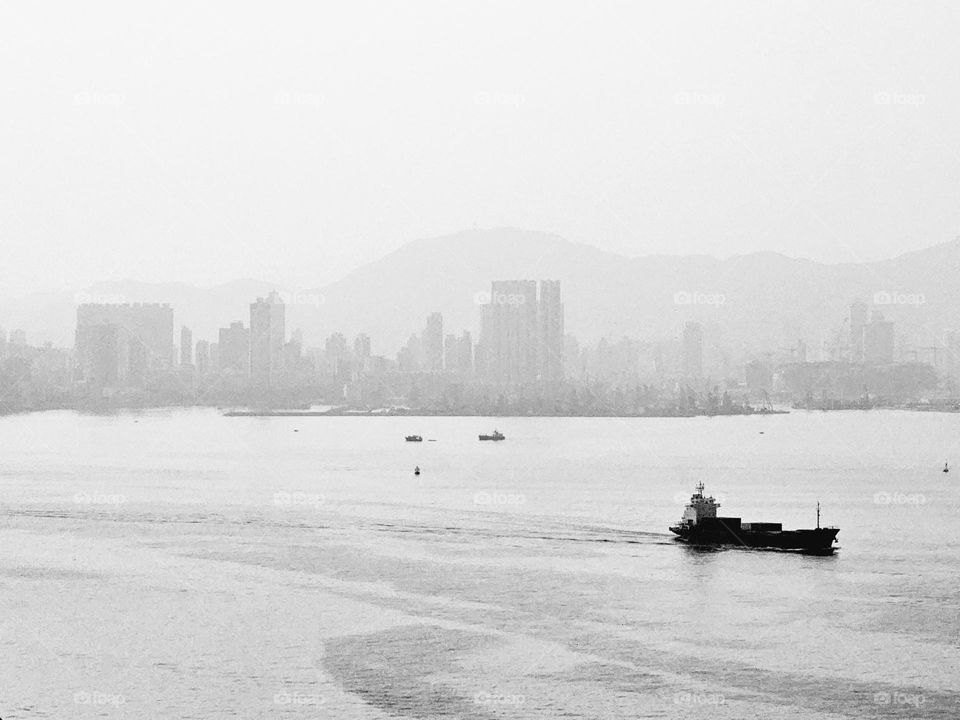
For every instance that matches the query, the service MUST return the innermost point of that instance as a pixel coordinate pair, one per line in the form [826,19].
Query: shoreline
[343,412]
[428,413]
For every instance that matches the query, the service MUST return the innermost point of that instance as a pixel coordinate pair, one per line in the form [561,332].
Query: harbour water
[179,564]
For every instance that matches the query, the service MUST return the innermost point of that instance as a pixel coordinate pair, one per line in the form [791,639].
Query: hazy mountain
[763,301]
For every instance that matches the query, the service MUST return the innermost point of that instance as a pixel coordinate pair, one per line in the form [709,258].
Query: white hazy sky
[205,142]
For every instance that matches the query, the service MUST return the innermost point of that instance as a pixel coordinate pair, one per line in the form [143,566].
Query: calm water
[185,565]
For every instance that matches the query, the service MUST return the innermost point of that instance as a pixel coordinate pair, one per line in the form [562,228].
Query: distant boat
[497,435]
[946,467]
[414,438]
[416,470]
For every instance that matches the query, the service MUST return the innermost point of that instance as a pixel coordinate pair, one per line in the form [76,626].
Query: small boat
[946,467]
[497,435]
[414,438]
[416,470]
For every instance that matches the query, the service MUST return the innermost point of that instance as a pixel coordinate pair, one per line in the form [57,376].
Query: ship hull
[816,540]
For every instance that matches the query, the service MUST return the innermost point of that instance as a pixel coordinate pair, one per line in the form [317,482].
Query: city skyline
[128,354]
[762,301]
[533,309]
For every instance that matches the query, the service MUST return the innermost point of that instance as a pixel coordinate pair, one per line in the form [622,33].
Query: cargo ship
[497,435]
[700,525]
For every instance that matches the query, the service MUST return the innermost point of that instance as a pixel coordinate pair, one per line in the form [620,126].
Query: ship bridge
[699,507]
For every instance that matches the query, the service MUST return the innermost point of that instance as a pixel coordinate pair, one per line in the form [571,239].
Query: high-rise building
[203,357]
[267,336]
[458,354]
[234,354]
[465,354]
[139,343]
[878,340]
[100,359]
[186,347]
[522,332]
[293,350]
[335,354]
[410,357]
[692,350]
[451,346]
[573,360]
[433,343]
[858,321]
[550,331]
[361,350]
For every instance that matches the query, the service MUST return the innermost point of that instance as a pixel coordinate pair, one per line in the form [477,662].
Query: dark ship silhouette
[700,525]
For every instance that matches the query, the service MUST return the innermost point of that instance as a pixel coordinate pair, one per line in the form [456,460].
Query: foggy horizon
[306,285]
[297,147]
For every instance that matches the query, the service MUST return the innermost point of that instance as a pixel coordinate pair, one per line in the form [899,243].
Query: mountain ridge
[769,300]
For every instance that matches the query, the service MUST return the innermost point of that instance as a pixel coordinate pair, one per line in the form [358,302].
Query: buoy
[416,470]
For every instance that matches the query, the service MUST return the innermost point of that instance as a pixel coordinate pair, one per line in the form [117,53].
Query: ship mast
[818,514]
